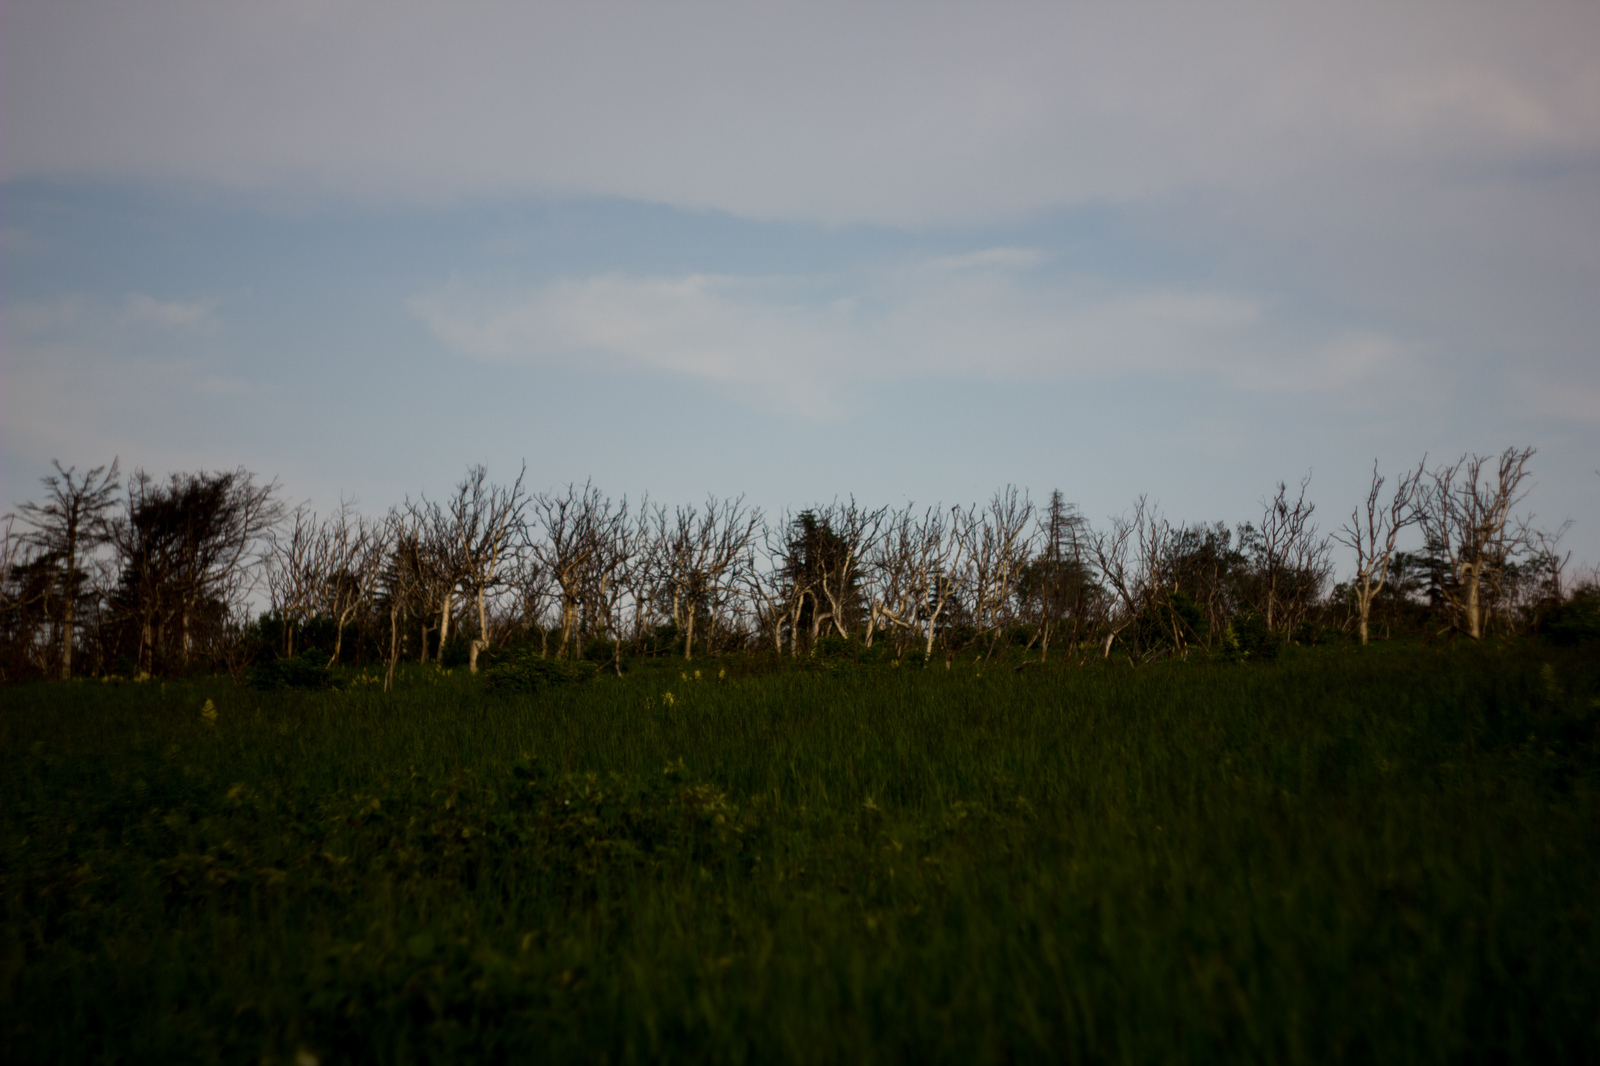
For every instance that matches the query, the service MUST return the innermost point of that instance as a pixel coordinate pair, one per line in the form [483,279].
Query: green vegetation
[1381,854]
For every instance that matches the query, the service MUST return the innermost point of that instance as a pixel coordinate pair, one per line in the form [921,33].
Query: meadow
[1383,854]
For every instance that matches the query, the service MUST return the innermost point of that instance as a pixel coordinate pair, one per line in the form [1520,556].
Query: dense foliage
[1349,854]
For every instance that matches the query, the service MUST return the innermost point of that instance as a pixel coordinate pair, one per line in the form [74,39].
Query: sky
[905,252]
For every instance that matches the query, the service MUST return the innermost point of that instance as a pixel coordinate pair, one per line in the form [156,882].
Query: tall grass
[1367,857]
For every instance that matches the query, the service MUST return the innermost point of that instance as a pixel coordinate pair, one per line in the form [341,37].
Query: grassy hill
[1351,854]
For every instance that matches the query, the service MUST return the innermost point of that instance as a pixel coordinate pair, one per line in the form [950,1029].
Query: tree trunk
[444,622]
[794,625]
[1473,606]
[66,637]
[394,647]
[483,636]
[569,618]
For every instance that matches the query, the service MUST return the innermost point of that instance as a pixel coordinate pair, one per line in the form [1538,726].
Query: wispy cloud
[88,376]
[139,308]
[804,345]
[83,319]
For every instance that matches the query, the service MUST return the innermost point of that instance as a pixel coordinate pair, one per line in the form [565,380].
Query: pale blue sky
[905,252]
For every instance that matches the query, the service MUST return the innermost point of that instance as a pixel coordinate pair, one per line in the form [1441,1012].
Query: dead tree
[637,582]
[997,549]
[69,525]
[768,585]
[697,552]
[1465,514]
[1125,574]
[486,528]
[1058,571]
[352,552]
[400,581]
[294,573]
[825,554]
[441,558]
[1372,532]
[576,526]
[10,551]
[913,569]
[531,583]
[618,569]
[1292,562]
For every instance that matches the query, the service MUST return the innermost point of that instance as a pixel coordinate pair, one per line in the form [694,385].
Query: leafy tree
[186,551]
[68,526]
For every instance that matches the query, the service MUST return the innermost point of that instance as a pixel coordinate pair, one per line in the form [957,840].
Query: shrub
[525,675]
[308,670]
[1256,643]
[1576,621]
[456,651]
[835,648]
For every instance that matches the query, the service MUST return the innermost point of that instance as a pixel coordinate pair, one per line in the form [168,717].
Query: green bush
[1576,621]
[308,670]
[1254,641]
[1309,634]
[834,648]
[525,675]
[456,652]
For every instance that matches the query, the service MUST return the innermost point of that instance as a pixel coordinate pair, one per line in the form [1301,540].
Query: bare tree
[439,571]
[401,581]
[68,525]
[997,549]
[294,573]
[1466,515]
[1371,533]
[1292,562]
[698,551]
[486,526]
[530,580]
[826,551]
[1162,562]
[1128,557]
[352,553]
[768,586]
[10,549]
[1536,582]
[577,526]
[621,569]
[914,568]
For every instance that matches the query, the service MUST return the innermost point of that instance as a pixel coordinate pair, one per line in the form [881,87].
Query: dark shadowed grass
[1339,857]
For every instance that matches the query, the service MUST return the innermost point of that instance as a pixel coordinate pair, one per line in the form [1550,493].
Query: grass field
[1391,856]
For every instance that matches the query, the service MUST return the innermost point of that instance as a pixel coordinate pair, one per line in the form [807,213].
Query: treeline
[149,577]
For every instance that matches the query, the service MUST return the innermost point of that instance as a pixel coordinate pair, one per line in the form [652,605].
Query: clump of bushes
[1577,621]
[526,674]
[1252,640]
[308,670]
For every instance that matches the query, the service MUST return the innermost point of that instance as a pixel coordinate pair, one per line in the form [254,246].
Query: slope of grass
[1337,857]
